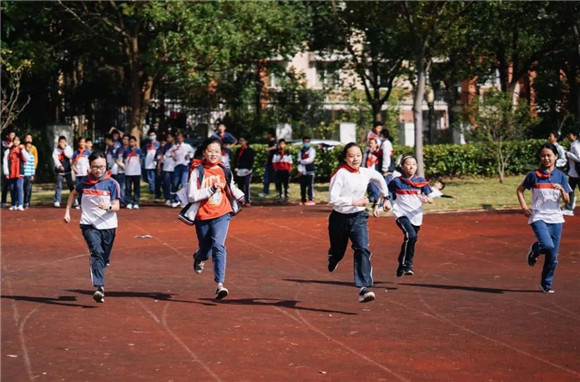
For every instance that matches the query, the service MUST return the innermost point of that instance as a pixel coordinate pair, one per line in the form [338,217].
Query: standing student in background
[282,163]
[561,161]
[306,157]
[99,203]
[410,193]
[6,145]
[151,157]
[132,165]
[121,179]
[573,156]
[61,156]
[29,172]
[80,164]
[372,160]
[89,144]
[33,150]
[211,186]
[548,185]
[268,168]
[374,133]
[13,165]
[168,168]
[243,165]
[348,219]
[182,154]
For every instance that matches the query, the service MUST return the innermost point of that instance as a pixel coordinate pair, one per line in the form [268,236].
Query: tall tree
[372,47]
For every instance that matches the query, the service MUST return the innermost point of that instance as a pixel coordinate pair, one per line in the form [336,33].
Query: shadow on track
[60,300]
[290,304]
[152,295]
[334,282]
[472,289]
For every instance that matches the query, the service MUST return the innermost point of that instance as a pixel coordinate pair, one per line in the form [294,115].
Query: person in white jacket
[212,191]
[573,156]
[61,156]
[306,157]
[348,219]
[182,153]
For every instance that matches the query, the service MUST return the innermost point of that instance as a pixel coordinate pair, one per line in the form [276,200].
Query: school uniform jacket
[545,198]
[306,157]
[168,162]
[61,157]
[14,161]
[94,191]
[347,185]
[80,161]
[574,159]
[151,155]
[387,165]
[132,159]
[408,201]
[282,161]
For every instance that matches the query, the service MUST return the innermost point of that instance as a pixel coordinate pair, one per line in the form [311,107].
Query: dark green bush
[472,159]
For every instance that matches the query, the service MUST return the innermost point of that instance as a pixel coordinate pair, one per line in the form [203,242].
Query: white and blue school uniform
[408,212]
[151,159]
[573,157]
[546,219]
[120,177]
[80,160]
[98,226]
[350,222]
[168,169]
[307,170]
[29,171]
[132,160]
[182,154]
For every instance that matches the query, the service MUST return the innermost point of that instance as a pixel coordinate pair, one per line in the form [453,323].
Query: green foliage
[472,159]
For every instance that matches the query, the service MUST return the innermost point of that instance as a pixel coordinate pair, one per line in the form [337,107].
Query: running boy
[410,194]
[548,185]
[99,201]
[211,188]
[348,219]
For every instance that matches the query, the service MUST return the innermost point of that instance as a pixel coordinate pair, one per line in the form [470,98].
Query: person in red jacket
[13,167]
[282,163]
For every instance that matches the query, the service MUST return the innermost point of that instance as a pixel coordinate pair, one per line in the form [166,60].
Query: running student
[548,185]
[212,190]
[410,193]
[348,219]
[99,201]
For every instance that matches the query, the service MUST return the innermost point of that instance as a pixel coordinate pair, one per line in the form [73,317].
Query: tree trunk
[418,112]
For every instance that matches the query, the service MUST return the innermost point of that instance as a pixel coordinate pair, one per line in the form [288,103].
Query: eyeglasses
[98,167]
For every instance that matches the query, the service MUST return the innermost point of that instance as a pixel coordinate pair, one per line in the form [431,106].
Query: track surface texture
[472,312]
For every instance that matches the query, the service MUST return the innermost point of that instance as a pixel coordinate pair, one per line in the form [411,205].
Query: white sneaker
[175,204]
[157,200]
[20,208]
[567,212]
[221,292]
[262,195]
[168,203]
[129,206]
[136,207]
[57,204]
[12,208]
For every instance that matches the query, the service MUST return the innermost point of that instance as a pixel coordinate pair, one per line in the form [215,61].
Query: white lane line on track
[497,342]
[165,324]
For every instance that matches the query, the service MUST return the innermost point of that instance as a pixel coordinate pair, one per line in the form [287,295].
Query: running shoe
[400,271]
[532,255]
[197,266]
[409,271]
[365,295]
[547,290]
[332,265]
[220,293]
[99,295]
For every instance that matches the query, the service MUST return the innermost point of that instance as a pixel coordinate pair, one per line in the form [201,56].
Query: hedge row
[473,159]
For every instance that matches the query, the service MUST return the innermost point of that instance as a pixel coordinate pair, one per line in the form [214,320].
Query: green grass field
[467,193]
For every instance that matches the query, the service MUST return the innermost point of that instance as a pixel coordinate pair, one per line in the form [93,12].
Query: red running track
[472,312]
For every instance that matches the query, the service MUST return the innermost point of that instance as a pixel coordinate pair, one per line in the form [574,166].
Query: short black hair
[305,138]
[281,140]
[62,138]
[97,154]
[377,123]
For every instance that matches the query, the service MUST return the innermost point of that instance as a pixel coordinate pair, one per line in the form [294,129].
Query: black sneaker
[409,272]
[332,265]
[197,266]
[532,256]
[99,295]
[365,295]
[220,293]
[400,271]
[547,290]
